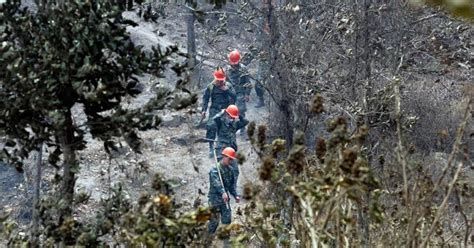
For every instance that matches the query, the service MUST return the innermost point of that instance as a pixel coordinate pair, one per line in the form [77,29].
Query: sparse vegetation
[368,140]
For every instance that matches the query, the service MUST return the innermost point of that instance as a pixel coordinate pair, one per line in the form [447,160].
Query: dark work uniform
[220,99]
[218,207]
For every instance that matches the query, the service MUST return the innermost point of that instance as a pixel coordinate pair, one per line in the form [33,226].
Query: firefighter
[222,185]
[221,94]
[238,75]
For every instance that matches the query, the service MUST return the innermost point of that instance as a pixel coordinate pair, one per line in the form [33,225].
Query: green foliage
[328,190]
[75,53]
[154,221]
[79,53]
[459,8]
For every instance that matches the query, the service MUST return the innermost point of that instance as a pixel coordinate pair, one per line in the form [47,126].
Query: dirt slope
[167,151]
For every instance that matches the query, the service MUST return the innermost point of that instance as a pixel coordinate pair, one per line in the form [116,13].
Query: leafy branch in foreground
[327,185]
[154,221]
[74,54]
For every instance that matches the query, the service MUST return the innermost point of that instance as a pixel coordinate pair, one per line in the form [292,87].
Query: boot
[260,103]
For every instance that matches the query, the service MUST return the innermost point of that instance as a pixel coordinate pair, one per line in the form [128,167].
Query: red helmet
[234,57]
[233,111]
[219,75]
[229,152]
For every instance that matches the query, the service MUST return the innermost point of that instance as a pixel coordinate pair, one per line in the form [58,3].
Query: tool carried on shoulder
[206,140]
[220,177]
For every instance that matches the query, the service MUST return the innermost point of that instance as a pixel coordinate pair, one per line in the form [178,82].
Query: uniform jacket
[220,99]
[226,128]
[215,186]
[240,79]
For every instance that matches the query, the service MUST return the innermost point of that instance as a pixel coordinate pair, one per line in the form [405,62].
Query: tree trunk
[36,198]
[279,77]
[190,19]
[367,93]
[121,4]
[69,167]
[262,41]
[356,59]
